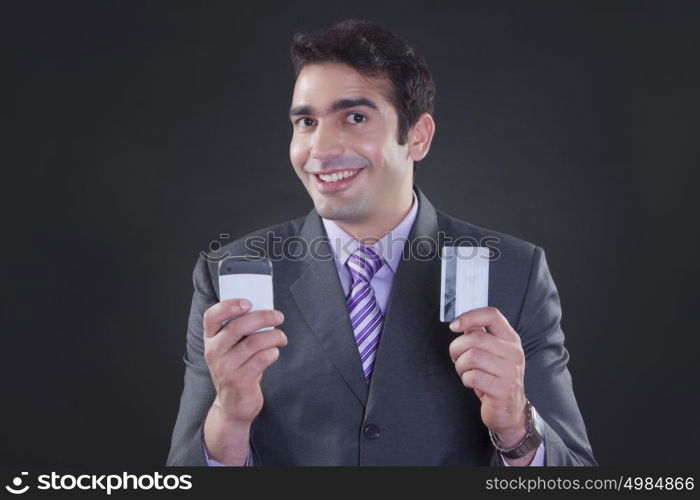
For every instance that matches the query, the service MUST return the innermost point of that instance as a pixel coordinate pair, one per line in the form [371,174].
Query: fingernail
[245,304]
[454,325]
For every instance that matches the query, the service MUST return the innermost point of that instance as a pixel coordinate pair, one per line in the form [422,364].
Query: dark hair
[374,52]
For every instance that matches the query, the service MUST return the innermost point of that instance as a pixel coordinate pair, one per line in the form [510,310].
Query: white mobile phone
[246,277]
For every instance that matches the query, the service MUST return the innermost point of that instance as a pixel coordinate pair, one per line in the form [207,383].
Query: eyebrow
[336,106]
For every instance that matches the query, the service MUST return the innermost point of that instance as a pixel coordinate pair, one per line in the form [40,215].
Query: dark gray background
[137,132]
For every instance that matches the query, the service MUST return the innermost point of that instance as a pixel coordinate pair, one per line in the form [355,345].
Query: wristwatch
[533,438]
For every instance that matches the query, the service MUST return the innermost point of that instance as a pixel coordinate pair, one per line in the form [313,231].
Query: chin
[330,210]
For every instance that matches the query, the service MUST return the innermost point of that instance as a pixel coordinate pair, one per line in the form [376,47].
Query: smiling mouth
[337,176]
[336,181]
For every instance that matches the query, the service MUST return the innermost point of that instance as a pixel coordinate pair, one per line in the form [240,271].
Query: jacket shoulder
[256,243]
[455,229]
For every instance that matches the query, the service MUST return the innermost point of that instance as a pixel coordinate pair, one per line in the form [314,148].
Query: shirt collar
[389,247]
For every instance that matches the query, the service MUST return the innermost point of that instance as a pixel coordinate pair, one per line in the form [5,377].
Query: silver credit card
[465,280]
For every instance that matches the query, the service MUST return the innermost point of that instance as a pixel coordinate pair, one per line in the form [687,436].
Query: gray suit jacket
[317,403]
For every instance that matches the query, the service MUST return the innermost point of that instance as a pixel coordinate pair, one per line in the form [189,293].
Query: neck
[370,231]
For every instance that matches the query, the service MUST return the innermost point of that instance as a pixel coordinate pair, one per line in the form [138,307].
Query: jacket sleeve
[198,391]
[548,383]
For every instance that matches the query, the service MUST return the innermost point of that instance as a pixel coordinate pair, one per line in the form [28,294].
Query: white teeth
[338,175]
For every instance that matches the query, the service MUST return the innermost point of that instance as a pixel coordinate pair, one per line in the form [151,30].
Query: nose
[326,141]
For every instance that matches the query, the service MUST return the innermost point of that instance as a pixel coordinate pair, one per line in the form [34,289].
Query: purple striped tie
[365,314]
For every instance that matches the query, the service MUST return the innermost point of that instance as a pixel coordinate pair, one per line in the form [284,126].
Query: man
[363,372]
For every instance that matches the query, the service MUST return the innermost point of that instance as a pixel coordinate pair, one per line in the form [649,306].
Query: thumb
[476,329]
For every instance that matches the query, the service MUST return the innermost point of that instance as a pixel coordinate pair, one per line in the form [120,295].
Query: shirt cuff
[537,461]
[213,463]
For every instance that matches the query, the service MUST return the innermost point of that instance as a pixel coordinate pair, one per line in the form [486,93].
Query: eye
[353,118]
[304,122]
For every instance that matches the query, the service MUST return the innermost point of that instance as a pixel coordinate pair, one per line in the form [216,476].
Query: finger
[248,323]
[477,329]
[486,342]
[484,382]
[215,315]
[253,368]
[490,317]
[252,344]
[477,359]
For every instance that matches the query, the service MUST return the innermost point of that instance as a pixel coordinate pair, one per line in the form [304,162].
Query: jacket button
[371,431]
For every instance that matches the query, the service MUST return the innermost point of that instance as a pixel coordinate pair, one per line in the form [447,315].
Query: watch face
[529,424]
[537,421]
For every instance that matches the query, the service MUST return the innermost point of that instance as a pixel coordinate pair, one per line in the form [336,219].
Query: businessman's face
[344,146]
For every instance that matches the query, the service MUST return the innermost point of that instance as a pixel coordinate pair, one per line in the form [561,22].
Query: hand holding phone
[236,359]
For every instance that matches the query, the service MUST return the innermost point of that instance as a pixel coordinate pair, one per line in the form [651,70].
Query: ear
[420,136]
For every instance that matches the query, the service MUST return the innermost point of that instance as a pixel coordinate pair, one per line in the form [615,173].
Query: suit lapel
[413,307]
[319,295]
[411,312]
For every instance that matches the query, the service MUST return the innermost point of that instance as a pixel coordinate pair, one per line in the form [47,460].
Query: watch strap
[533,438]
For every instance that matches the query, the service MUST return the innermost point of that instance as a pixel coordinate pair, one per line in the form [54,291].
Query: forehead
[321,84]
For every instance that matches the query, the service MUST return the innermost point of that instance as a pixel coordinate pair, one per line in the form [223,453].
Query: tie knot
[363,263]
